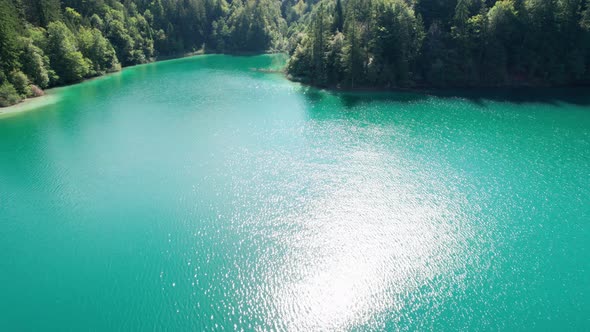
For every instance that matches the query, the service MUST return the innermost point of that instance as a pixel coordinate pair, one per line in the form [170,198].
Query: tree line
[45,43]
[441,43]
[335,43]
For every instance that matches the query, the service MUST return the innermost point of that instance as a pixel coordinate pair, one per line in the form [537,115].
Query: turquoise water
[200,194]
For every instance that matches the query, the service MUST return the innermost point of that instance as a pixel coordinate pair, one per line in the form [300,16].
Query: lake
[205,194]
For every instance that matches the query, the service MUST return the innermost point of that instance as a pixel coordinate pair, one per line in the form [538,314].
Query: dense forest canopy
[45,43]
[338,43]
[406,43]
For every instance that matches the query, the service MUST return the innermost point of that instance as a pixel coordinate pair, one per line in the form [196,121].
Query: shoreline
[28,104]
[49,97]
[425,89]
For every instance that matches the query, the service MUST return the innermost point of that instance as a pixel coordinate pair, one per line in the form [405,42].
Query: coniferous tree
[352,43]
[338,24]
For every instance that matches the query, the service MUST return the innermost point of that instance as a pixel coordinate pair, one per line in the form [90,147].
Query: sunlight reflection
[366,246]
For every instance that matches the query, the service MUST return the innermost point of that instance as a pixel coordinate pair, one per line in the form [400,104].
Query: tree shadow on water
[579,96]
[352,99]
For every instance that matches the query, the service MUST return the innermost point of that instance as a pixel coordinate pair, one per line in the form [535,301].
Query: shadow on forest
[552,96]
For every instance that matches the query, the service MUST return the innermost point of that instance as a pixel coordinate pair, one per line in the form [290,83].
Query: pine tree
[338,24]
[9,52]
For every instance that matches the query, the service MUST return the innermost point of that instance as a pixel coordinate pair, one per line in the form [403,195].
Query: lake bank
[32,102]
[439,90]
[29,104]
[460,92]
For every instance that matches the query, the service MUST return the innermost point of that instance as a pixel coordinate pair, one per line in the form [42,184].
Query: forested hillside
[336,43]
[407,43]
[51,42]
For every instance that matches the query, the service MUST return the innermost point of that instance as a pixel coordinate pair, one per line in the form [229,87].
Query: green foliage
[462,12]
[338,23]
[120,39]
[55,42]
[67,61]
[8,37]
[395,45]
[8,95]
[95,47]
[250,26]
[400,43]
[379,44]
[585,20]
[42,12]
[345,43]
[96,22]
[20,82]
[35,64]
[352,52]
[72,18]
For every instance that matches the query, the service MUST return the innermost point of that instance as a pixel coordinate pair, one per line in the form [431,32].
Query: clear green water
[198,194]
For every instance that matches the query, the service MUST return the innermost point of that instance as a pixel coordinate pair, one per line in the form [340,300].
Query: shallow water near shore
[206,194]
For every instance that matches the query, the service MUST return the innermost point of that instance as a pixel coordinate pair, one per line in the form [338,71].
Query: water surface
[201,194]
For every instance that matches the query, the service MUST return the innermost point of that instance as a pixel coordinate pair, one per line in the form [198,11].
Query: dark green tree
[67,61]
[338,24]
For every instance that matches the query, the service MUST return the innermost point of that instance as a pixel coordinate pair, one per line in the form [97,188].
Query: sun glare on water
[364,248]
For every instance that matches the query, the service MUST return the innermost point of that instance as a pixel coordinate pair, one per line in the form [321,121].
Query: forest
[332,43]
[444,43]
